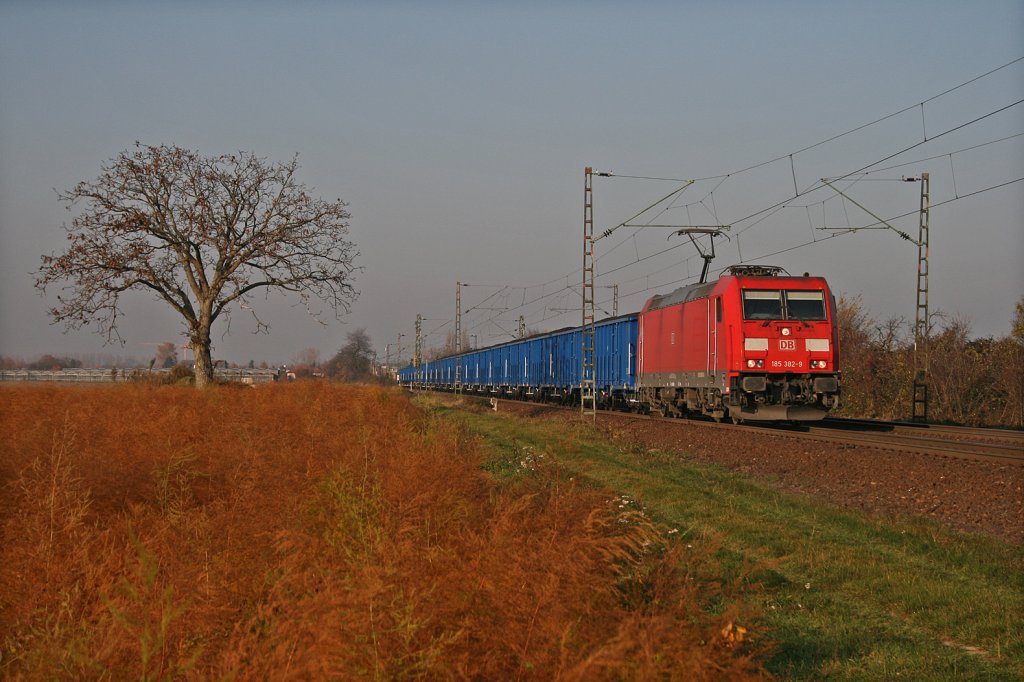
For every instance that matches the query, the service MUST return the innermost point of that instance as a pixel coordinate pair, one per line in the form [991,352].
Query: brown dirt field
[977,497]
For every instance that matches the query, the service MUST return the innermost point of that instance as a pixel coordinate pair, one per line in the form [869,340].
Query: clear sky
[459,131]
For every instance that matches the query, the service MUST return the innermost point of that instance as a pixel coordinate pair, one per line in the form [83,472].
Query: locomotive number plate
[787,344]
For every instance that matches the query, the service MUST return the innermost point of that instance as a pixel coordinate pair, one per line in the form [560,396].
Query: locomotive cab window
[762,305]
[805,305]
[783,305]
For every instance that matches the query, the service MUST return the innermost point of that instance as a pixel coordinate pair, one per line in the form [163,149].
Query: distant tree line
[49,362]
[165,357]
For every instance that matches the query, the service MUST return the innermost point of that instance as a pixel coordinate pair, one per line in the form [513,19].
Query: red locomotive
[756,344]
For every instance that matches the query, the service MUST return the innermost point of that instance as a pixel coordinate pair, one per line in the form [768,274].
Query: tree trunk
[201,351]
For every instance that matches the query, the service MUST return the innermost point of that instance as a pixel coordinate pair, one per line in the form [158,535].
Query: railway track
[937,430]
[989,445]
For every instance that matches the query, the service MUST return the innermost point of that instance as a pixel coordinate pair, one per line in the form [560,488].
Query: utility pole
[522,327]
[919,408]
[398,349]
[588,384]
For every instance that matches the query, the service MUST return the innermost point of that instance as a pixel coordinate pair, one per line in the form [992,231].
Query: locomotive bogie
[763,397]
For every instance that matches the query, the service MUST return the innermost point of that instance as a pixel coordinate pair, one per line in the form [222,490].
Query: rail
[1001,446]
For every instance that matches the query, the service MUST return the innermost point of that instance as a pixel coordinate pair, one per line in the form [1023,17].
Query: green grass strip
[846,596]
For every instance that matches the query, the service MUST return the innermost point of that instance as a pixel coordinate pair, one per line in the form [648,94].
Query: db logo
[787,344]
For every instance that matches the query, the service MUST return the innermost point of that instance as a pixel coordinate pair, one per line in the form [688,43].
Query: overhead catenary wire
[942,203]
[725,176]
[815,239]
[851,230]
[814,186]
[780,205]
[773,209]
[762,214]
[818,185]
[881,119]
[833,138]
[671,194]
[943,155]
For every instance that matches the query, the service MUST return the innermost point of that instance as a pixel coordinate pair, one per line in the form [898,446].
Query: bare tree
[201,234]
[449,346]
[354,360]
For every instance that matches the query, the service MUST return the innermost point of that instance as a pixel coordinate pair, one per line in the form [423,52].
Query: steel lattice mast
[588,384]
[919,409]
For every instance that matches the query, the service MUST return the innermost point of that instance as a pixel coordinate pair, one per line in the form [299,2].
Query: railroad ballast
[755,344]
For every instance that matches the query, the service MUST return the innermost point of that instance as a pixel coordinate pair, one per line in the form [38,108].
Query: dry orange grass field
[317,530]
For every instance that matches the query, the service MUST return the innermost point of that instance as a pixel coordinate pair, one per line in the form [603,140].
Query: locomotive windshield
[805,305]
[762,305]
[783,305]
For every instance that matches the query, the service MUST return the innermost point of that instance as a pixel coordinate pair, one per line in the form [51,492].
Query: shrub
[181,374]
[970,381]
[318,530]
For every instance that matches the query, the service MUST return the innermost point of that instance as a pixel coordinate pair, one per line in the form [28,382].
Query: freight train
[755,344]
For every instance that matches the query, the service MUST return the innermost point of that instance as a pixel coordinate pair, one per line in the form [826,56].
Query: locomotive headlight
[755,363]
[818,364]
[785,331]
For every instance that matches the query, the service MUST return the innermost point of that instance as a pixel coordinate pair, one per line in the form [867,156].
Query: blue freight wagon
[544,367]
